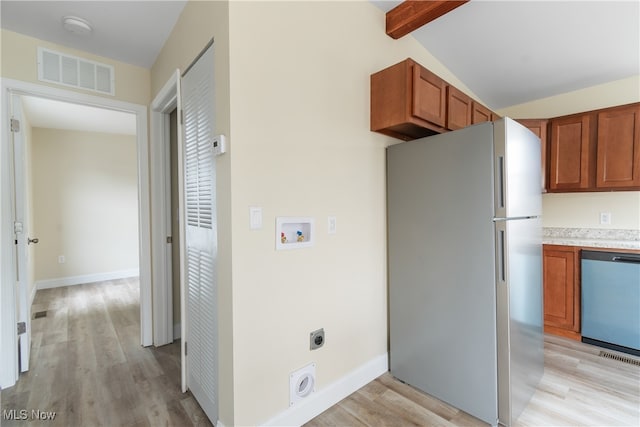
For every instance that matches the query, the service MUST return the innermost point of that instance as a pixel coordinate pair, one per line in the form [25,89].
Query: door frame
[167,99]
[8,338]
[21,212]
[162,105]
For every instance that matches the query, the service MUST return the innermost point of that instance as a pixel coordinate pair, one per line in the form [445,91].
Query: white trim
[8,337]
[325,398]
[86,278]
[8,361]
[177,331]
[32,297]
[163,104]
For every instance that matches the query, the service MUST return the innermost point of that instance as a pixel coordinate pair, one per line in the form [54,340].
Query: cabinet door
[561,290]
[480,114]
[539,128]
[458,109]
[570,153]
[429,96]
[618,164]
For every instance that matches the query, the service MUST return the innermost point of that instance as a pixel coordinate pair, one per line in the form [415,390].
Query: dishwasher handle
[626,259]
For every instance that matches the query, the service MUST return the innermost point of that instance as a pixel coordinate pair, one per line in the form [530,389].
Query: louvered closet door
[201,235]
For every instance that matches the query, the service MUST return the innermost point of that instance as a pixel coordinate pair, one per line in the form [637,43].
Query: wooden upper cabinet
[429,96]
[458,109]
[571,153]
[540,128]
[408,101]
[480,114]
[618,164]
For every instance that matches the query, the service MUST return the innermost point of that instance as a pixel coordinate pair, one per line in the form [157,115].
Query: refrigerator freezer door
[517,170]
[519,314]
[442,302]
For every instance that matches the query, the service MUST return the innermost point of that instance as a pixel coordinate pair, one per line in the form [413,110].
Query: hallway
[88,367]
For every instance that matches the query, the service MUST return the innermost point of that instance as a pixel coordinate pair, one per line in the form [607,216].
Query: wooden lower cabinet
[561,282]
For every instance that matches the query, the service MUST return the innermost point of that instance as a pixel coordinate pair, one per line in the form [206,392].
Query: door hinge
[15,125]
[182,117]
[185,348]
[22,328]
[169,239]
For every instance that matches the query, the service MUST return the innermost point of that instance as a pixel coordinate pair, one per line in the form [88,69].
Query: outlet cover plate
[316,339]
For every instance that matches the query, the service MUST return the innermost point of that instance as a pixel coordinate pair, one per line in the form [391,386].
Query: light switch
[331,225]
[255,218]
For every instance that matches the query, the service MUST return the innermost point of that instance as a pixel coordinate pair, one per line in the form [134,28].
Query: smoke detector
[76,25]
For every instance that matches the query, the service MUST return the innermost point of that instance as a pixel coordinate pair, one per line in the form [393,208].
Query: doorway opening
[81,189]
[9,313]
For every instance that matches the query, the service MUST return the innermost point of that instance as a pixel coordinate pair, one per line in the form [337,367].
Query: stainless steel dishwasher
[611,300]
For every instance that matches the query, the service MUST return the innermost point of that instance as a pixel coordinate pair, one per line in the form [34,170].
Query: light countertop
[592,237]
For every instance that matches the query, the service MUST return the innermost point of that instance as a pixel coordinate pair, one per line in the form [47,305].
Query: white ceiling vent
[69,70]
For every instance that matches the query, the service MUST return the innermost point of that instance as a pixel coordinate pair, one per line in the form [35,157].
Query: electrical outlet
[605,218]
[61,259]
[316,339]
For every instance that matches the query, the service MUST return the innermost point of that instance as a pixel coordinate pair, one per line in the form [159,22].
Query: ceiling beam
[413,14]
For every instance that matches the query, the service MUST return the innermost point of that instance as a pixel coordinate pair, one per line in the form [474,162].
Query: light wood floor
[578,388]
[87,365]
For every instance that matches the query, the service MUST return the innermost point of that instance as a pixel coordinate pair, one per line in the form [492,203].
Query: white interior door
[201,234]
[21,228]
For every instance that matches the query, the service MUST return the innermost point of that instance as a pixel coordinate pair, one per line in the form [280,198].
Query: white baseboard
[318,402]
[86,278]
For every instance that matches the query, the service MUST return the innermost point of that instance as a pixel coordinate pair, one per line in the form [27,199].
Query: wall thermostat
[219,145]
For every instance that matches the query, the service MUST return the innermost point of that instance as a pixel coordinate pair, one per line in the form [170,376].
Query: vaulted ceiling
[506,52]
[512,52]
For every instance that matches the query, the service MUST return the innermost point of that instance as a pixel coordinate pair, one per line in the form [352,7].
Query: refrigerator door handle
[501,255]
[501,182]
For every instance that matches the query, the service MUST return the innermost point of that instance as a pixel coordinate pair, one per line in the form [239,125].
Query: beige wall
[20,62]
[301,146]
[85,202]
[583,210]
[610,94]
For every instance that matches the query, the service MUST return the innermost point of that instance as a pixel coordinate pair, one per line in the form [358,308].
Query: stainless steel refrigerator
[465,267]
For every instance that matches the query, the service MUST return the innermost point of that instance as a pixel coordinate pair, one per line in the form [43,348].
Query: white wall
[85,203]
[582,210]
